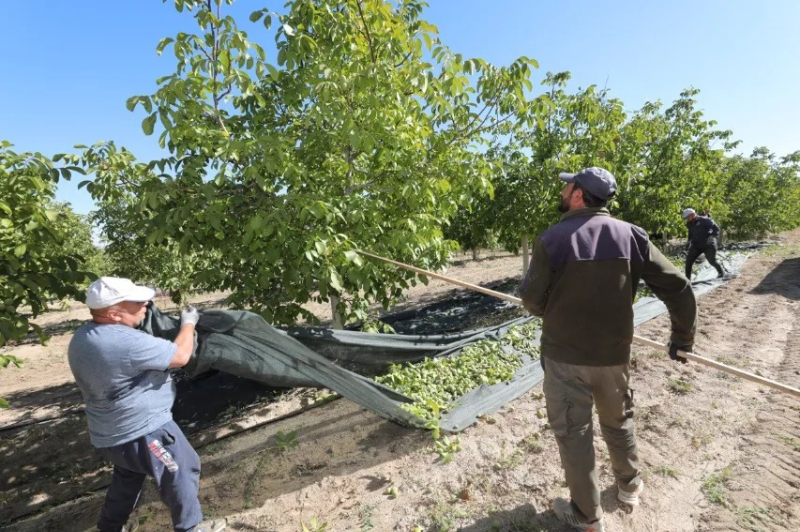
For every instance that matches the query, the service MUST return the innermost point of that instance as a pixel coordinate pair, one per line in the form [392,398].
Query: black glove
[673,352]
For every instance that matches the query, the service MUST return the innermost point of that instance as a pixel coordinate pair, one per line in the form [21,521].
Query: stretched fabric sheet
[244,344]
[706,280]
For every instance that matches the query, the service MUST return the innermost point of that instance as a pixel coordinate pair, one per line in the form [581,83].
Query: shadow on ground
[253,468]
[527,518]
[49,460]
[784,280]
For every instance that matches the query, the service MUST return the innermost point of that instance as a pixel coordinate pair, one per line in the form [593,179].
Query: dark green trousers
[570,392]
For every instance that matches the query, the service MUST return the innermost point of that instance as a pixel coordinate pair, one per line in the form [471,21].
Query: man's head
[592,187]
[113,300]
[689,215]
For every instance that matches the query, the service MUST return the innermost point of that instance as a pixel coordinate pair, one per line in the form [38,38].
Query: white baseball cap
[688,212]
[107,291]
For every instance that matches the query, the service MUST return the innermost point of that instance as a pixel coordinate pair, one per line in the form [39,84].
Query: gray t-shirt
[122,374]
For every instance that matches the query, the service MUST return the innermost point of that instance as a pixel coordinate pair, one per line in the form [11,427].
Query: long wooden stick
[644,341]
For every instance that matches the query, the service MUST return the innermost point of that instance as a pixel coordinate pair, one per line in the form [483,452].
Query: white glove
[190,315]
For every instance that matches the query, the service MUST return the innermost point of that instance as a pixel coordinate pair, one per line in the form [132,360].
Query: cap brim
[569,178]
[141,294]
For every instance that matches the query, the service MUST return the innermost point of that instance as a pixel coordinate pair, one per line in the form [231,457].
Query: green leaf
[354,256]
[163,44]
[20,250]
[336,281]
[148,124]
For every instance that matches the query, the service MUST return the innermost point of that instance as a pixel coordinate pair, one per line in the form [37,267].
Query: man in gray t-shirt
[123,375]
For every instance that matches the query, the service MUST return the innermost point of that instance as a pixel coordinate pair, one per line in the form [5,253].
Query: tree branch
[398,65]
[366,31]
[214,57]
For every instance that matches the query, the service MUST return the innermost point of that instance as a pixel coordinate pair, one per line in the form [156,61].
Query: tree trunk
[474,253]
[337,317]
[525,254]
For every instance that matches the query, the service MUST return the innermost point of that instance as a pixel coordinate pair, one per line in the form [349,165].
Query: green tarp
[243,344]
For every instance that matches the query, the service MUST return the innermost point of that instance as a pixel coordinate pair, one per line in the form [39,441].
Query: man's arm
[671,287]
[185,338]
[714,227]
[535,286]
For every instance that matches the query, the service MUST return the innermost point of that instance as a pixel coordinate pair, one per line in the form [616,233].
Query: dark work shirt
[702,232]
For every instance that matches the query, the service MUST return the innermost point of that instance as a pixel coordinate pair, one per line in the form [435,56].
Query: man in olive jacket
[582,280]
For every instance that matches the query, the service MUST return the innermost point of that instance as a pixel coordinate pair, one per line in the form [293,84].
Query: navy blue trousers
[711,256]
[166,455]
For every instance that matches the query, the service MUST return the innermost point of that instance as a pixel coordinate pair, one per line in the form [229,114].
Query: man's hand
[190,316]
[673,352]
[185,338]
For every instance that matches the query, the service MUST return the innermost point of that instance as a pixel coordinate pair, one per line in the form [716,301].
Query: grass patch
[752,517]
[677,422]
[533,443]
[285,441]
[444,516]
[314,526]
[509,461]
[365,517]
[782,251]
[665,471]
[794,443]
[251,480]
[679,386]
[701,440]
[715,486]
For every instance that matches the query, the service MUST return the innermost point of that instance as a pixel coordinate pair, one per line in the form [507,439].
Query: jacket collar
[586,211]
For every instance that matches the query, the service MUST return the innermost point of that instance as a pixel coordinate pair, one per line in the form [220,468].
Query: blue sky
[69,67]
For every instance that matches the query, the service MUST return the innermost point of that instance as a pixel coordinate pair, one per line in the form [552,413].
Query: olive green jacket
[582,281]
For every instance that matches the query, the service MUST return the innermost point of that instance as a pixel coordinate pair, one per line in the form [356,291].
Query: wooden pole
[638,339]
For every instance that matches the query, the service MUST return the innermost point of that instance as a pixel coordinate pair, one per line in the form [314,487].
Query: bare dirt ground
[719,453]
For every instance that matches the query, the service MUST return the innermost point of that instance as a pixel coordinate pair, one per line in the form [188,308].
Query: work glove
[190,315]
[673,352]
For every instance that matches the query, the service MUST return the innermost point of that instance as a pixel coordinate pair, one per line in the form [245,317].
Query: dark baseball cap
[599,182]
